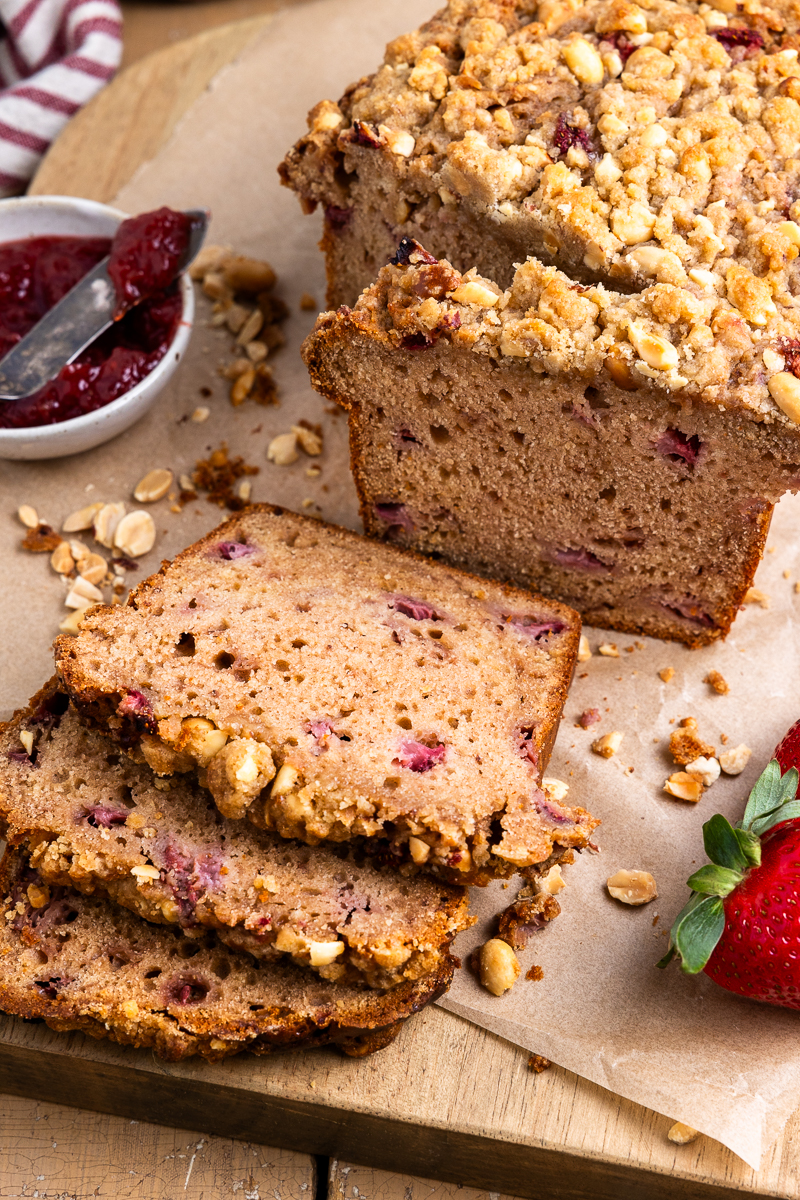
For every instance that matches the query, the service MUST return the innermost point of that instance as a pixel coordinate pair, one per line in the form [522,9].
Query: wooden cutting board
[448,1100]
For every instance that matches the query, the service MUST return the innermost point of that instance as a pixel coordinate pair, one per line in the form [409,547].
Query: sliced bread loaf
[337,688]
[80,963]
[520,435]
[95,820]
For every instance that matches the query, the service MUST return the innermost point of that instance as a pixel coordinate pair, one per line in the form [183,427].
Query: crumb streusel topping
[654,147]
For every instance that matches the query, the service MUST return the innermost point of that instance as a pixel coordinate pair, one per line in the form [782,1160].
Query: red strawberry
[788,752]
[742,923]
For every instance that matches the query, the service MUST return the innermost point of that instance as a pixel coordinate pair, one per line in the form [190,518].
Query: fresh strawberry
[742,923]
[788,752]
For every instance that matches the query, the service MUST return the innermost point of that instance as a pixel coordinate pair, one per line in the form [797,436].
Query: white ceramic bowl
[40,216]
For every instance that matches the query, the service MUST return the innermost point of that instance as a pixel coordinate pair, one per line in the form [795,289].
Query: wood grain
[348,1181]
[49,1151]
[448,1100]
[128,122]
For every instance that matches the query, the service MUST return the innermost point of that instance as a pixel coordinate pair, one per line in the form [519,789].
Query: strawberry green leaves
[772,792]
[695,933]
[733,851]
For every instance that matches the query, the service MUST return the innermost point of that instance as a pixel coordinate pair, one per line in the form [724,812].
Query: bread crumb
[536,1062]
[307,302]
[787,574]
[717,682]
[535,973]
[666,673]
[685,746]
[756,596]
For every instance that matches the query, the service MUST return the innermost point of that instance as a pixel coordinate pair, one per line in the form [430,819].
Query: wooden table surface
[448,1100]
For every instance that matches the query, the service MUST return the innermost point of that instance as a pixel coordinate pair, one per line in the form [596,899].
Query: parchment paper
[728,1067]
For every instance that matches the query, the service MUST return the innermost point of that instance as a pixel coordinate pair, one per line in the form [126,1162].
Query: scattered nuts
[608,650]
[755,595]
[733,762]
[706,770]
[201,414]
[154,486]
[83,594]
[682,1134]
[61,560]
[282,450]
[93,568]
[251,327]
[584,649]
[136,534]
[244,490]
[28,516]
[248,275]
[26,737]
[209,258]
[553,882]
[608,744]
[683,786]
[309,440]
[72,622]
[499,966]
[243,385]
[473,292]
[632,887]
[256,351]
[82,519]
[106,520]
[666,673]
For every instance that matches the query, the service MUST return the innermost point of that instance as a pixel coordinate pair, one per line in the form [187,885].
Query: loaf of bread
[78,962]
[641,146]
[335,688]
[93,819]
[518,434]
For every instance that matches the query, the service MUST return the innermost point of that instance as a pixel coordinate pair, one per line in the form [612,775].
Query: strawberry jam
[36,273]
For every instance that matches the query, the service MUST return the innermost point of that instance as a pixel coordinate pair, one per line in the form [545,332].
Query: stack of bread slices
[243,814]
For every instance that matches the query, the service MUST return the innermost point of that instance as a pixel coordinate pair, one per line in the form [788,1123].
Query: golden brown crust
[42,979]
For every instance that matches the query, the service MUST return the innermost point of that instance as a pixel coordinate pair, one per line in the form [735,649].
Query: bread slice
[615,141]
[518,434]
[337,688]
[95,820]
[79,963]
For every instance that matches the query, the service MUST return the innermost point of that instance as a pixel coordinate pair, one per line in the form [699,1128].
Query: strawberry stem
[733,851]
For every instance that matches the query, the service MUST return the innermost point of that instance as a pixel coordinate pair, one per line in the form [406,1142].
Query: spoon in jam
[147,253]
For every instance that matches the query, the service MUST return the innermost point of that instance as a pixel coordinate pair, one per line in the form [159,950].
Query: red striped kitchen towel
[54,56]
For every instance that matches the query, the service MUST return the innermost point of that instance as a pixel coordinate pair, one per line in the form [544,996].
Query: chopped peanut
[632,887]
[733,762]
[717,682]
[608,650]
[682,1134]
[608,744]
[683,786]
[499,966]
[666,673]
